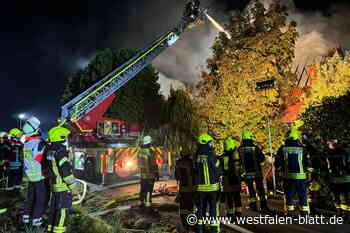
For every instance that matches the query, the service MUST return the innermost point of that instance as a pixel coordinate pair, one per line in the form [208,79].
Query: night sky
[42,41]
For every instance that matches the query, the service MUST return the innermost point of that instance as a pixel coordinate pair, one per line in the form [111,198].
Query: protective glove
[74,189]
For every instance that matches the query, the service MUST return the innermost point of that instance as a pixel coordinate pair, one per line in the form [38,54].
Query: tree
[138,101]
[325,114]
[262,48]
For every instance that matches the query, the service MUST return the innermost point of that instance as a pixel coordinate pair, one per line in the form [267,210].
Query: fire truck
[103,147]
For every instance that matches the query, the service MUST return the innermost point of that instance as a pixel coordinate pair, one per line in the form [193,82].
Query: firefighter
[293,162]
[36,200]
[5,149]
[184,174]
[15,162]
[62,180]
[231,183]
[207,182]
[338,164]
[149,173]
[252,159]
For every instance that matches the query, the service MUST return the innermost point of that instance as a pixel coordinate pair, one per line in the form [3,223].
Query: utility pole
[264,85]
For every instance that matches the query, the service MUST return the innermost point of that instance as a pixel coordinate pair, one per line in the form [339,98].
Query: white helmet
[147,140]
[3,134]
[31,126]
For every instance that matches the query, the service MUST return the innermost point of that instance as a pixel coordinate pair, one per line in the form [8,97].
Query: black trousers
[204,200]
[259,189]
[146,190]
[60,208]
[233,200]
[2,174]
[186,204]
[14,178]
[35,203]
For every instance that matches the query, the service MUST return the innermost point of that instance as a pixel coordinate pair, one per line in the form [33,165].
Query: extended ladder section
[75,109]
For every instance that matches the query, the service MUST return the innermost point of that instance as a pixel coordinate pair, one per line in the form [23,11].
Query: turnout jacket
[147,163]
[33,154]
[251,158]
[293,160]
[59,167]
[184,174]
[207,170]
[5,150]
[15,157]
[230,166]
[338,164]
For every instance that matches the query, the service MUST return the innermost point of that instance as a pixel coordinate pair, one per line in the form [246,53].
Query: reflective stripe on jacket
[33,152]
[147,164]
[207,170]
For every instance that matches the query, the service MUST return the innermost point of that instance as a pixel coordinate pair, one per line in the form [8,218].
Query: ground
[114,210]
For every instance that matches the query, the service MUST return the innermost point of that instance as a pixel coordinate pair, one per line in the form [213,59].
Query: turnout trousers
[186,207]
[60,208]
[299,187]
[146,190]
[35,203]
[341,192]
[14,178]
[233,202]
[259,189]
[203,201]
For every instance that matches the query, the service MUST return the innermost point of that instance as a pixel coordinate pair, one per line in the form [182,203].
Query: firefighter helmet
[31,126]
[3,134]
[204,139]
[247,135]
[230,144]
[58,134]
[15,133]
[294,135]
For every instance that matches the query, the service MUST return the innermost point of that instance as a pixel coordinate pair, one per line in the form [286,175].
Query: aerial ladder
[77,109]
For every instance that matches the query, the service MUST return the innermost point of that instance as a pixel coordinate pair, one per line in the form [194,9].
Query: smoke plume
[317,32]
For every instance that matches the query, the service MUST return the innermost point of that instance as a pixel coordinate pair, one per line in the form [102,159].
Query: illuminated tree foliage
[138,101]
[262,48]
[332,78]
[326,114]
[179,120]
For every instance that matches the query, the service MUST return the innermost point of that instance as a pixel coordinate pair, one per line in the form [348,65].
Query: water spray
[217,25]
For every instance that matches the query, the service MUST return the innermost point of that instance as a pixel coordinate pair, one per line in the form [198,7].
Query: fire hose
[79,197]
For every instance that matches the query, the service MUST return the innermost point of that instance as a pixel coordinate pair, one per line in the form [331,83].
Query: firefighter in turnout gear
[184,174]
[252,159]
[36,200]
[5,150]
[338,164]
[15,162]
[231,183]
[149,172]
[293,162]
[62,180]
[207,183]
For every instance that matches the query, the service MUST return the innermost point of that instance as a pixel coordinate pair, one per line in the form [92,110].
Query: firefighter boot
[253,206]
[263,207]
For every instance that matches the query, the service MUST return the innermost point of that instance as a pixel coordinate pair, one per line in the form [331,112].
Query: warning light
[128,164]
[119,164]
[159,161]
